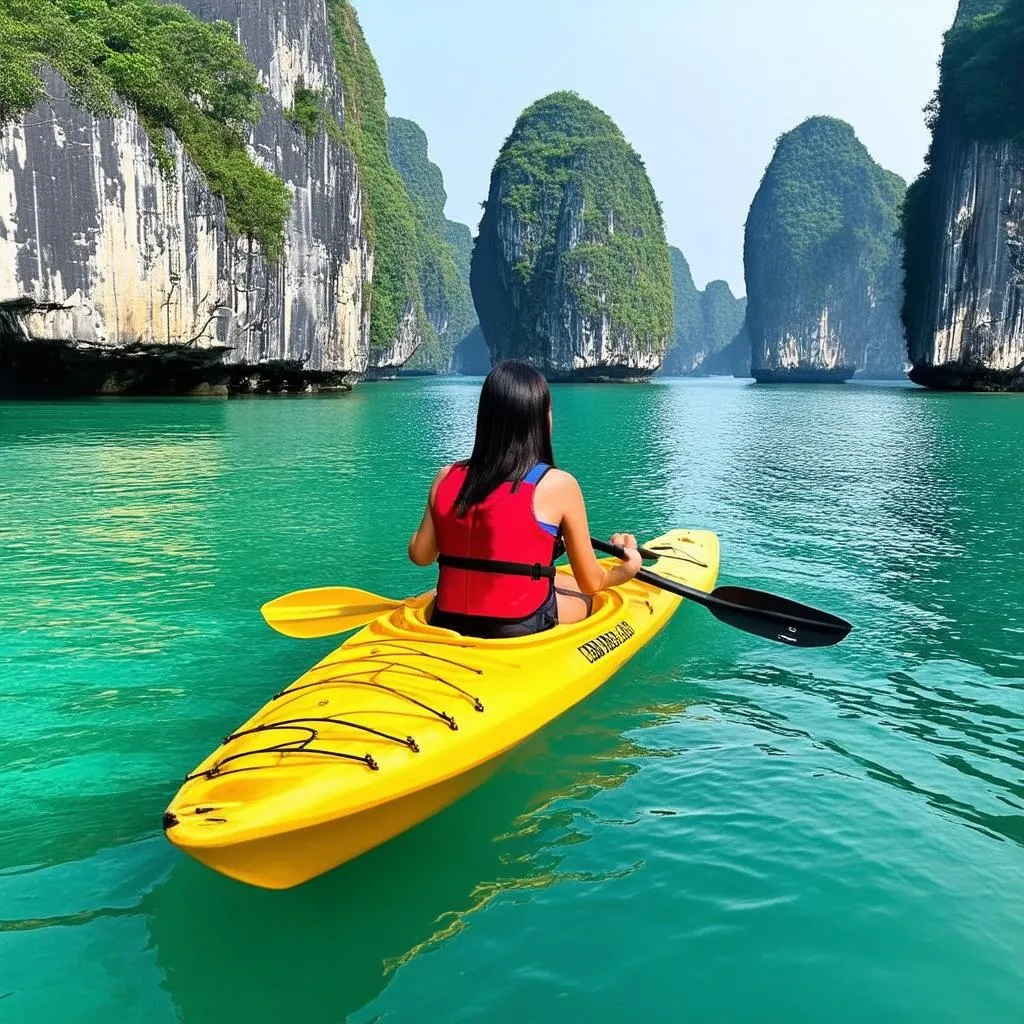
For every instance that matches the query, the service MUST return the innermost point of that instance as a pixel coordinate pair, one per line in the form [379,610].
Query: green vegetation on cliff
[825,212]
[407,147]
[566,154]
[177,72]
[460,240]
[445,287]
[705,321]
[309,113]
[968,10]
[389,215]
[403,207]
[982,75]
[980,97]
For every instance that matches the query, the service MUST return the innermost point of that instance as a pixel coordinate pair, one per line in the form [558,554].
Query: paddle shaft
[718,604]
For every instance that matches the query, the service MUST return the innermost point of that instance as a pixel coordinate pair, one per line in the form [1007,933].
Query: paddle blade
[777,618]
[324,611]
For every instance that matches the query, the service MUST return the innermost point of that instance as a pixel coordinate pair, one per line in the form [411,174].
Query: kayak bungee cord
[662,549]
[288,747]
[385,666]
[296,724]
[406,650]
[347,679]
[398,667]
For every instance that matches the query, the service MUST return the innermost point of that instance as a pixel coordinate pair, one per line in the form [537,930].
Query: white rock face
[101,253]
[388,362]
[972,332]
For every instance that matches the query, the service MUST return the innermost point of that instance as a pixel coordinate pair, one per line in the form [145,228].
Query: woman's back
[495,522]
[492,559]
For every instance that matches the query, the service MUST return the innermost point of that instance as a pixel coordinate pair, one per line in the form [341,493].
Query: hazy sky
[701,88]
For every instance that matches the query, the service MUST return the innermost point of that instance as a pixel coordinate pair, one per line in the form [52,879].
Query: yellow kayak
[400,721]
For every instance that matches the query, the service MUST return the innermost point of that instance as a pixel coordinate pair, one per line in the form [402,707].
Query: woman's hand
[633,563]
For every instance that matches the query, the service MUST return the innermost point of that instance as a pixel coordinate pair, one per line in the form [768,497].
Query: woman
[496,523]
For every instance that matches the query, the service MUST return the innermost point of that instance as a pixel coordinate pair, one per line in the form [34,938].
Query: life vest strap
[535,570]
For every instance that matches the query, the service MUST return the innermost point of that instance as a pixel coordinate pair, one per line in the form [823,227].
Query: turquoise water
[728,830]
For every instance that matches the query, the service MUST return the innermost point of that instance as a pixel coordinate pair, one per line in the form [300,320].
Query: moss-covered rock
[571,269]
[822,259]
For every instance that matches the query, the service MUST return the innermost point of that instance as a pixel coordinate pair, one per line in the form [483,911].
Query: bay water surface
[729,830]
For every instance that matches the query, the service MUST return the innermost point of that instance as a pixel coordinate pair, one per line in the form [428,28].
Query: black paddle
[753,611]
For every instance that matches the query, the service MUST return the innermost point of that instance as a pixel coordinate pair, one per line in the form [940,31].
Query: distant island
[706,322]
[822,260]
[571,268]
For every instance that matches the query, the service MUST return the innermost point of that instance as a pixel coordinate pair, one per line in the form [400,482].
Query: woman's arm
[589,573]
[423,545]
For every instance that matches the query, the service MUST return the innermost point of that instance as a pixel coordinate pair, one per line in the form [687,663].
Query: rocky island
[822,261]
[571,268]
[963,224]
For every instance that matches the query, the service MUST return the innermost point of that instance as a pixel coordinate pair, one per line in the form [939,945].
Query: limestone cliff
[963,222]
[705,321]
[471,355]
[571,269]
[114,276]
[733,360]
[443,285]
[687,349]
[822,261]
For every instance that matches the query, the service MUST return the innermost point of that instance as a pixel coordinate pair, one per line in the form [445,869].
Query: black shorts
[486,628]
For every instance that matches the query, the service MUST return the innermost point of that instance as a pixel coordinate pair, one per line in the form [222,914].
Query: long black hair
[513,431]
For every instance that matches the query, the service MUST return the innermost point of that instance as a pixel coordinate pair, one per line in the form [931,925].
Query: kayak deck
[398,722]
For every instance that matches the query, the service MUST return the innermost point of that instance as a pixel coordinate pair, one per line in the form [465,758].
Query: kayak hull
[282,860]
[399,722]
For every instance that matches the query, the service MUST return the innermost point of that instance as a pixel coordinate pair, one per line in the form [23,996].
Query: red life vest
[497,560]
